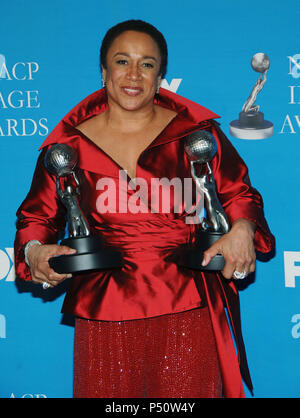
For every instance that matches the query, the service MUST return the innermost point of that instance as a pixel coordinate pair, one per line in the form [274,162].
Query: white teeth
[132,90]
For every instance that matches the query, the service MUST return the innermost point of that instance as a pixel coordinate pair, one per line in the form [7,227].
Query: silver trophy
[201,147]
[251,123]
[91,254]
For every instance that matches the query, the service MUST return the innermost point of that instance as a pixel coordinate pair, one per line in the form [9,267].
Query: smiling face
[132,70]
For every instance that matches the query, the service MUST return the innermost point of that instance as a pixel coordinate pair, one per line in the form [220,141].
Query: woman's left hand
[237,248]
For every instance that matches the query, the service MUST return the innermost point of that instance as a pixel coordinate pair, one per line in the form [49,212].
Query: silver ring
[46,285]
[239,275]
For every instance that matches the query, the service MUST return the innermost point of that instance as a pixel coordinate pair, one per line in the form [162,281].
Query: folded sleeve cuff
[264,241]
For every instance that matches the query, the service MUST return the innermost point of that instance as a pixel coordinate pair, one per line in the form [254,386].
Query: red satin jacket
[150,283]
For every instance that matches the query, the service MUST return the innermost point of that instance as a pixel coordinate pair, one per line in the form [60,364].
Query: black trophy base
[90,255]
[251,125]
[192,258]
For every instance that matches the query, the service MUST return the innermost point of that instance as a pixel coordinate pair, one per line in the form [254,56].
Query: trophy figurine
[251,123]
[91,254]
[201,147]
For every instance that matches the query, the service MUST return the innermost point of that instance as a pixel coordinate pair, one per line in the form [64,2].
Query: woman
[151,328]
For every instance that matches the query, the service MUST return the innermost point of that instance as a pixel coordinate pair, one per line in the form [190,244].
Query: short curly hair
[138,26]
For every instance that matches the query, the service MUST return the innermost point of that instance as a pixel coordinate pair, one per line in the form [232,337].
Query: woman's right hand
[41,272]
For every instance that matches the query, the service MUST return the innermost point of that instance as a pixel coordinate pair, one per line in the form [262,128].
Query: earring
[103,83]
[157,88]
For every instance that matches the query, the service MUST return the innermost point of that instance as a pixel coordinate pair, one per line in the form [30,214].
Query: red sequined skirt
[169,356]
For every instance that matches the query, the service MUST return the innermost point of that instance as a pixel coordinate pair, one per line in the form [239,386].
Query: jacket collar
[190,117]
